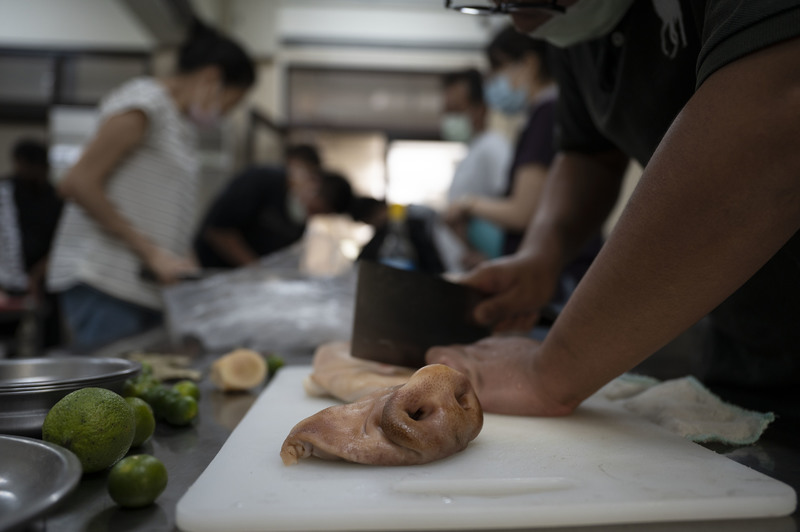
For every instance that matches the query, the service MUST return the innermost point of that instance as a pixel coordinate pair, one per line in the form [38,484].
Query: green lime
[96,424]
[147,368]
[129,388]
[180,411]
[145,420]
[137,480]
[138,389]
[155,396]
[138,386]
[147,380]
[274,363]
[188,388]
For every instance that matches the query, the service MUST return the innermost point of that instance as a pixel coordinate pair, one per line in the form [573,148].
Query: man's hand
[518,287]
[502,373]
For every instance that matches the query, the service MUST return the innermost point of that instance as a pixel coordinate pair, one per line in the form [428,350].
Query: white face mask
[456,127]
[295,209]
[206,117]
[584,20]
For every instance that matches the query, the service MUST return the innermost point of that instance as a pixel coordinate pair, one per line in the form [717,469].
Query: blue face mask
[502,96]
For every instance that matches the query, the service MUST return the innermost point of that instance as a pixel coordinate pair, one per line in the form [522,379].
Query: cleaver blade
[400,314]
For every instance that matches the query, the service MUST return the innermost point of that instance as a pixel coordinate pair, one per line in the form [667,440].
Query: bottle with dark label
[397,250]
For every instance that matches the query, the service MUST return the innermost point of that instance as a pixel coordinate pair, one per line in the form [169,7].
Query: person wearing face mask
[265,209]
[484,170]
[705,94]
[132,193]
[521,81]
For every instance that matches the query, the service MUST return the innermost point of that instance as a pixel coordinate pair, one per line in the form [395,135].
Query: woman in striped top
[132,192]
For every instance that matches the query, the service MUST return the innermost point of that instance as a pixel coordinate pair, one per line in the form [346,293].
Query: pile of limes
[100,427]
[176,404]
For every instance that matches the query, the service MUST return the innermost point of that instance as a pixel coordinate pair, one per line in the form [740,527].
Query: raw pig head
[434,415]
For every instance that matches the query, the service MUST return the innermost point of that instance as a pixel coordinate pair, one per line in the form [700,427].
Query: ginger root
[239,370]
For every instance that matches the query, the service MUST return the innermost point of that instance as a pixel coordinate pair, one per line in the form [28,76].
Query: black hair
[364,208]
[336,191]
[511,44]
[206,46]
[307,153]
[472,78]
[30,151]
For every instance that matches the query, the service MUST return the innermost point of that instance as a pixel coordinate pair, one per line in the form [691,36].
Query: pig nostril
[463,401]
[416,416]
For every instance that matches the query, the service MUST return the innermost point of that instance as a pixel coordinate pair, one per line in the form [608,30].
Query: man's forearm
[720,197]
[580,192]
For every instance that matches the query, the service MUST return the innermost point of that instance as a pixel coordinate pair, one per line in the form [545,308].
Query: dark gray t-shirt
[624,90]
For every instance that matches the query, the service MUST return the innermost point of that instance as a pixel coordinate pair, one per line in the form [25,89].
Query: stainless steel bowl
[35,475]
[30,387]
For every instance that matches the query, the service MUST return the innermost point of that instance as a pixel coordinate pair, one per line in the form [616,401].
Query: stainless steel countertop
[187,451]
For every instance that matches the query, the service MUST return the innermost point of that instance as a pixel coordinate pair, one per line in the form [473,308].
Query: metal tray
[30,387]
[36,476]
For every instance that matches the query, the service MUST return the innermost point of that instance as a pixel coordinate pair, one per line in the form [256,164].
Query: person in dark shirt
[265,209]
[38,208]
[34,208]
[706,96]
[521,80]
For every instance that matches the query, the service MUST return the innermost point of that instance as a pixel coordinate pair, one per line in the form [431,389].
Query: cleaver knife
[399,314]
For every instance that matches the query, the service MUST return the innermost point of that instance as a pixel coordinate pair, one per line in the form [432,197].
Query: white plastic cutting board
[600,465]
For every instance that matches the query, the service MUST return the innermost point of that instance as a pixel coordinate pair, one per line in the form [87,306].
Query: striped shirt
[154,189]
[12,263]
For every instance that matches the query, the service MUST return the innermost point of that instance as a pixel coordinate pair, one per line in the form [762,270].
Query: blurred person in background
[265,209]
[484,170]
[37,207]
[132,193]
[29,213]
[521,82]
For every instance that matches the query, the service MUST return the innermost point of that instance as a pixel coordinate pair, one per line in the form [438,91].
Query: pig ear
[294,449]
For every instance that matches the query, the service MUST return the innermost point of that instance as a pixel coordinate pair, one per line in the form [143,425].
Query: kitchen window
[35,80]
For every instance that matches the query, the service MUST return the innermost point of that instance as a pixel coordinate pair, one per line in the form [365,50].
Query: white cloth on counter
[686,407]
